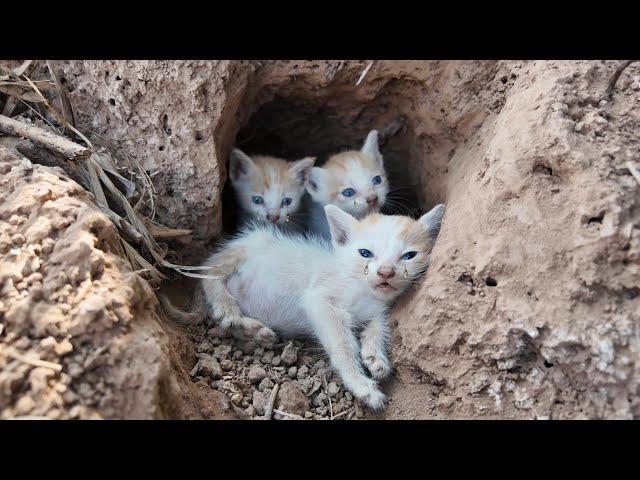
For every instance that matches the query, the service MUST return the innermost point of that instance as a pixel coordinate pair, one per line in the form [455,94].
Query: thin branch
[616,76]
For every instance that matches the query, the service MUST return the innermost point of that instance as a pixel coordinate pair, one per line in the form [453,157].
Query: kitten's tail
[193,317]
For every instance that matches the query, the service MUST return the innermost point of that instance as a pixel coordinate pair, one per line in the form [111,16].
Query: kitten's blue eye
[286,201]
[365,253]
[409,255]
[348,192]
[258,200]
[377,180]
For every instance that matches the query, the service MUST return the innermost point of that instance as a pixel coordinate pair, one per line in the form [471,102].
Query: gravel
[247,374]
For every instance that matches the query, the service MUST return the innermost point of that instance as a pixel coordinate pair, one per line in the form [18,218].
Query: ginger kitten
[269,189]
[354,181]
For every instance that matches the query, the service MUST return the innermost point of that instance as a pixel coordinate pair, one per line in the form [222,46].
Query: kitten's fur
[303,287]
[352,169]
[272,179]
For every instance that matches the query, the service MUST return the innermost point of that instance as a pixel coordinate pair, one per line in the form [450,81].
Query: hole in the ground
[294,128]
[597,219]
[490,282]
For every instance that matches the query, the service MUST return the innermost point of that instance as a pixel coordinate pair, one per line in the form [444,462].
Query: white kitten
[269,189]
[304,287]
[354,180]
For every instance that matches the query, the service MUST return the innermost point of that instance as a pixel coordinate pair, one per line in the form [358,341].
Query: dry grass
[133,227]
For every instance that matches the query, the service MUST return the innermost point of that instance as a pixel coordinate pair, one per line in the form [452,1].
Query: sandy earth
[529,310]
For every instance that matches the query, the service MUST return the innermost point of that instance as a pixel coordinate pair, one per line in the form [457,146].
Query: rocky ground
[290,381]
[530,307]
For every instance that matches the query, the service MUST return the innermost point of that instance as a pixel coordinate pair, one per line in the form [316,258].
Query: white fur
[358,176]
[304,286]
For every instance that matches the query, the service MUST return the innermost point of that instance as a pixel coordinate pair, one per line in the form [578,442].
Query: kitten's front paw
[377,364]
[370,395]
[254,330]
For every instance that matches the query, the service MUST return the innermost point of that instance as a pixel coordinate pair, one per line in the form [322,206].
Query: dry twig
[634,171]
[35,362]
[616,76]
[268,411]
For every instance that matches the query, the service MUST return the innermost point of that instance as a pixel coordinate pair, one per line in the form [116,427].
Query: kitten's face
[269,188]
[385,246]
[355,181]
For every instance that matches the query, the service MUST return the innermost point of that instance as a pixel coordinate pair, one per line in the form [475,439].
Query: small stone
[319,364]
[63,347]
[204,346]
[320,400]
[602,103]
[293,371]
[348,396]
[47,245]
[259,402]
[226,364]
[579,126]
[236,398]
[267,358]
[25,405]
[635,86]
[332,389]
[265,384]
[222,351]
[600,120]
[18,239]
[322,411]
[303,372]
[308,414]
[276,361]
[291,400]
[258,352]
[289,355]
[237,355]
[256,374]
[207,366]
[247,361]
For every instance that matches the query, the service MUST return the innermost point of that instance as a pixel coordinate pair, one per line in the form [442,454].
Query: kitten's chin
[385,291]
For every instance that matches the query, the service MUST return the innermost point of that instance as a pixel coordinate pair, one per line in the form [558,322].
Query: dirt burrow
[530,308]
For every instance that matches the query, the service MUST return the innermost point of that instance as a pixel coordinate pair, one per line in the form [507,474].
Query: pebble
[635,86]
[18,239]
[267,358]
[237,355]
[322,411]
[308,414]
[579,126]
[291,400]
[265,384]
[222,351]
[207,366]
[303,372]
[293,371]
[289,354]
[276,361]
[600,120]
[320,400]
[332,389]
[226,364]
[256,374]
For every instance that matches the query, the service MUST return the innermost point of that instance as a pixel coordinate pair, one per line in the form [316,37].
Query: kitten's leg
[223,307]
[374,340]
[332,326]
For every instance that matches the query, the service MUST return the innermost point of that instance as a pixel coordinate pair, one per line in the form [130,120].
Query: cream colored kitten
[301,286]
[354,180]
[269,189]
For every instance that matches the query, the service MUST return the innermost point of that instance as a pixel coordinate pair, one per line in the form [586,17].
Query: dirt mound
[530,307]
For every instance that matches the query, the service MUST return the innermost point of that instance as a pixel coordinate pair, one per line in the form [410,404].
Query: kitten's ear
[317,180]
[340,224]
[431,221]
[301,170]
[370,147]
[240,165]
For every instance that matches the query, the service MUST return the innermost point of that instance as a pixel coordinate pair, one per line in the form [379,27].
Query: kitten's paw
[370,395]
[377,364]
[253,329]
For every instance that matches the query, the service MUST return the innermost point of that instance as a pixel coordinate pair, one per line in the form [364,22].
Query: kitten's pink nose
[372,200]
[386,272]
[273,218]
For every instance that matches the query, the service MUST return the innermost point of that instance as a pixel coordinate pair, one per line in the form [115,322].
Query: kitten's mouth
[385,287]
